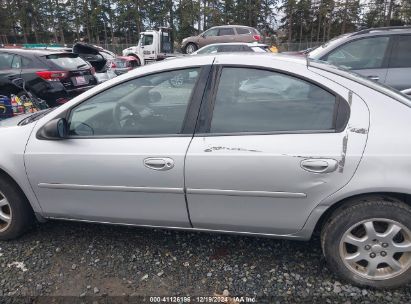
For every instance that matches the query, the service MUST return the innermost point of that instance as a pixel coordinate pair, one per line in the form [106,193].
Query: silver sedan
[255,144]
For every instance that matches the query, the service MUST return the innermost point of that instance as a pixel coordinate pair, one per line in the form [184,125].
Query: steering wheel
[117,115]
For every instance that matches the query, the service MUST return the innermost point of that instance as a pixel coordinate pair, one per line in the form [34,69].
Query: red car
[123,64]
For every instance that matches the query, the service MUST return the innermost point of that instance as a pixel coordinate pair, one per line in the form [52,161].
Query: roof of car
[385,30]
[232,25]
[237,43]
[38,52]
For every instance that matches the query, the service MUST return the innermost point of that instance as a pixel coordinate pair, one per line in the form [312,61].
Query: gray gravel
[89,261]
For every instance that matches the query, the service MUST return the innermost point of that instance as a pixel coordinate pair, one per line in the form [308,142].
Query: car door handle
[375,78]
[159,164]
[319,165]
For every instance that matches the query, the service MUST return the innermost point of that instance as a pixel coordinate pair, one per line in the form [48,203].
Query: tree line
[121,21]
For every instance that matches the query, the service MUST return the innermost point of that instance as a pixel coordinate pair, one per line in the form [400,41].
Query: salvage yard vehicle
[100,59]
[382,54]
[258,144]
[153,45]
[220,34]
[53,76]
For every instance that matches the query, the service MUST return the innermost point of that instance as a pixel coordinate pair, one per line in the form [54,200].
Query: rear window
[226,32]
[120,63]
[67,61]
[260,49]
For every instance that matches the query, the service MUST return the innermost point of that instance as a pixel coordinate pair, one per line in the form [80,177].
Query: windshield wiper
[34,117]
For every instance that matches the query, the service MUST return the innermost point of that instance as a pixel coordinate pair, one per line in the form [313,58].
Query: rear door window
[226,31]
[254,100]
[401,54]
[66,61]
[243,31]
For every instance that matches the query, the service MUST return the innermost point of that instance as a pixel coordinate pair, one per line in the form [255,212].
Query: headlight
[185,39]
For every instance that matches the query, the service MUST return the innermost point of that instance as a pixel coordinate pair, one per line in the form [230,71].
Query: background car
[381,54]
[233,47]
[124,64]
[220,34]
[52,76]
[101,60]
[254,144]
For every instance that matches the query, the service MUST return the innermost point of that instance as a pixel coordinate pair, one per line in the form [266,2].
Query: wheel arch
[34,207]
[346,202]
[140,59]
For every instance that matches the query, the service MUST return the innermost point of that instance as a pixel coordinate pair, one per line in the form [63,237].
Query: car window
[253,100]
[208,49]
[401,54]
[242,31]
[231,48]
[226,31]
[147,39]
[5,61]
[66,61]
[16,63]
[26,62]
[153,104]
[260,49]
[211,32]
[367,53]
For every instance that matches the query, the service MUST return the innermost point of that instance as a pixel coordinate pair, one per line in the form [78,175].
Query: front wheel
[191,48]
[369,242]
[16,215]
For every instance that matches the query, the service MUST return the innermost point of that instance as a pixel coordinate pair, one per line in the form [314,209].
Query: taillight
[52,75]
[113,65]
[93,70]
[257,37]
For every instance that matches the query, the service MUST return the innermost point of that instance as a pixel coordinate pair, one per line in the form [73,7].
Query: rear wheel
[16,215]
[190,48]
[369,242]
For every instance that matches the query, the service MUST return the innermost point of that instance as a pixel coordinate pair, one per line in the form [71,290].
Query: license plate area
[79,80]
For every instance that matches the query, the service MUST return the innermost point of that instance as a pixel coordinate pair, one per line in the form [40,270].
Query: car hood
[13,121]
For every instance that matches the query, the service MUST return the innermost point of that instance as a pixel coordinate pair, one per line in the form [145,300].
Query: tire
[372,254]
[190,48]
[17,209]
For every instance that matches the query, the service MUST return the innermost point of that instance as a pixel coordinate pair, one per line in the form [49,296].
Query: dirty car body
[258,144]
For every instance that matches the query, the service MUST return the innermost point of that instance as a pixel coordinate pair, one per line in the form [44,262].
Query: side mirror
[55,129]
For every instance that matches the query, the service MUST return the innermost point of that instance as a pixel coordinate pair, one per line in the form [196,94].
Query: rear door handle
[159,163]
[319,165]
[375,78]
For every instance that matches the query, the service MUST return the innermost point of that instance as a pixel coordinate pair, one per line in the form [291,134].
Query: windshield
[317,52]
[261,49]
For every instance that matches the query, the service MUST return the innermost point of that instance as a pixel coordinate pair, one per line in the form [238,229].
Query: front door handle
[375,78]
[319,165]
[159,163]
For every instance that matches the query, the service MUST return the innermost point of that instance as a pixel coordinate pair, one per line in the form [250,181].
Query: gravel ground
[96,262]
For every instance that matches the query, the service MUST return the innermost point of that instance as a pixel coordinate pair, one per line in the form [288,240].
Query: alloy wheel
[377,249]
[190,48]
[5,212]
